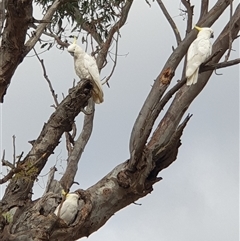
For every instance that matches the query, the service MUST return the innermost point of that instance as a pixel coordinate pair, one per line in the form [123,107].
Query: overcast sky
[198,198]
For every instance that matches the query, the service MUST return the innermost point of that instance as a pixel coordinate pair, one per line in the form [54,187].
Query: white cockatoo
[68,209]
[198,52]
[86,68]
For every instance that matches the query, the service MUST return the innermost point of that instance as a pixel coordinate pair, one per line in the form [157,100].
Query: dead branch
[13,170]
[5,162]
[189,8]
[46,78]
[8,176]
[14,150]
[171,22]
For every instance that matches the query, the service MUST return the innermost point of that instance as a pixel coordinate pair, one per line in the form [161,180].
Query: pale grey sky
[198,198]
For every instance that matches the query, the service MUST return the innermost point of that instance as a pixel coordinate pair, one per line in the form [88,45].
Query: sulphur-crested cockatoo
[198,52]
[86,68]
[68,209]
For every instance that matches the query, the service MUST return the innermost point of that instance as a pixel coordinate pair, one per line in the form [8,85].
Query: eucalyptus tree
[152,146]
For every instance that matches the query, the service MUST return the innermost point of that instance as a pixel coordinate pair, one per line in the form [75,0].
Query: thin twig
[14,150]
[57,38]
[189,8]
[170,20]
[42,26]
[19,157]
[47,79]
[219,65]
[114,63]
[8,164]
[230,33]
[5,162]
[105,47]
[7,177]
[12,171]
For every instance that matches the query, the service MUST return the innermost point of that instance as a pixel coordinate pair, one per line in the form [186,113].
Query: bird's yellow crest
[74,40]
[198,28]
[64,193]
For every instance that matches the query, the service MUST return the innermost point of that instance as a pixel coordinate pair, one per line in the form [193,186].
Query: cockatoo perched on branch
[198,52]
[68,209]
[86,68]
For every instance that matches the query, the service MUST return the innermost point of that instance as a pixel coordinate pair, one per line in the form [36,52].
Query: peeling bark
[18,17]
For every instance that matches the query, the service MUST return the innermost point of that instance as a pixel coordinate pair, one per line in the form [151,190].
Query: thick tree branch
[149,112]
[120,188]
[60,121]
[19,17]
[19,14]
[170,20]
[186,94]
[72,162]
[204,8]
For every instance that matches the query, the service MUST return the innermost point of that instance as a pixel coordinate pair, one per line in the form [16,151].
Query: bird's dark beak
[71,53]
[212,35]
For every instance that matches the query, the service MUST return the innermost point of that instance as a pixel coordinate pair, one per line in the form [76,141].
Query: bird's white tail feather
[97,93]
[191,80]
